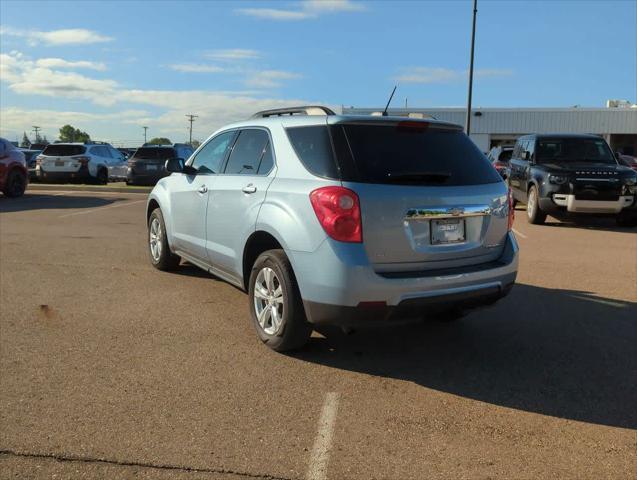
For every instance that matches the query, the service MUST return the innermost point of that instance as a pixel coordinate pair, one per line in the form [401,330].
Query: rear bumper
[145,178]
[568,203]
[346,290]
[81,174]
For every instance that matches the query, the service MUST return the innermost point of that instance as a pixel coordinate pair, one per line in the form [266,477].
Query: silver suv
[330,219]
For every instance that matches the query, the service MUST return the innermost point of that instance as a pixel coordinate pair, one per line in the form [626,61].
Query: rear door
[429,198]
[235,200]
[189,196]
[59,158]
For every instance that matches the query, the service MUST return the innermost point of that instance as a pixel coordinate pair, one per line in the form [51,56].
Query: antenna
[389,101]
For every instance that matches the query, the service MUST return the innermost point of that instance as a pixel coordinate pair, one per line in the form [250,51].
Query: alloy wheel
[154,235]
[268,301]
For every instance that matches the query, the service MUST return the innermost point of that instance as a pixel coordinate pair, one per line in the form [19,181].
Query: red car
[14,175]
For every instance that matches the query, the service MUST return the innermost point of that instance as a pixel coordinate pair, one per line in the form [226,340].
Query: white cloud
[166,107]
[427,75]
[61,63]
[195,68]
[232,54]
[306,9]
[67,36]
[269,78]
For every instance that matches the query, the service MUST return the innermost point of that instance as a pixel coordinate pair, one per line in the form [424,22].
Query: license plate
[447,231]
[151,167]
[59,163]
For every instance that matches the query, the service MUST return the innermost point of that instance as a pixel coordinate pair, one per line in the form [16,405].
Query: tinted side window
[313,147]
[101,152]
[210,158]
[247,152]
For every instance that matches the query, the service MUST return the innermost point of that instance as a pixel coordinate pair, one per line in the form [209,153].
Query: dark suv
[574,174]
[146,165]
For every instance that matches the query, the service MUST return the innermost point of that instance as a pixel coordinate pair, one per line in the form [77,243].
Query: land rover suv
[346,220]
[563,174]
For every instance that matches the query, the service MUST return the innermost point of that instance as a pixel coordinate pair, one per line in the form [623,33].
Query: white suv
[94,162]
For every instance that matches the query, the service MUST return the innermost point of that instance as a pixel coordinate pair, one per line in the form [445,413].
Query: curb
[86,188]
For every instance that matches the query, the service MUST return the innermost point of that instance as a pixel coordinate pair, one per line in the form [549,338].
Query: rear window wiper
[409,177]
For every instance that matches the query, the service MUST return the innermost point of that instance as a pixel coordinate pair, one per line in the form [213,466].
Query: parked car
[14,176]
[627,161]
[81,162]
[500,158]
[30,157]
[571,174]
[146,165]
[346,220]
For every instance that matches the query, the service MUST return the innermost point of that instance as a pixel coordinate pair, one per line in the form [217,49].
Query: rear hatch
[150,160]
[429,198]
[62,158]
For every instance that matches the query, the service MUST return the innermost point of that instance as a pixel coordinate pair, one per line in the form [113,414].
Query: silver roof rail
[304,110]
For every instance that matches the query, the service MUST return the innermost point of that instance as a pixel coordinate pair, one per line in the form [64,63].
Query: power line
[37,129]
[191,118]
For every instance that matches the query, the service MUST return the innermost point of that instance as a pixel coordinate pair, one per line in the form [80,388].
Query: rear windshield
[155,153]
[64,150]
[407,153]
[505,155]
[557,150]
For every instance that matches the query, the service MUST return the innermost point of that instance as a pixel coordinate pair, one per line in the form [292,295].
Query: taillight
[511,210]
[339,213]
[83,160]
[38,159]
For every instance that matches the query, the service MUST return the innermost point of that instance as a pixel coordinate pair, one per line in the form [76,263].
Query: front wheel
[275,303]
[160,255]
[534,214]
[102,177]
[16,184]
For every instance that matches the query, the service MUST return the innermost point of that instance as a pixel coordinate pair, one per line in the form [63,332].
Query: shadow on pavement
[606,224]
[32,201]
[562,353]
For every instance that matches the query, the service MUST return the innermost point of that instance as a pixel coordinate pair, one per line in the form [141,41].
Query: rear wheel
[533,212]
[160,255]
[102,176]
[16,184]
[275,303]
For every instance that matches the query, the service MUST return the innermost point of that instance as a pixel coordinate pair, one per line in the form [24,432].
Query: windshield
[417,155]
[155,153]
[574,150]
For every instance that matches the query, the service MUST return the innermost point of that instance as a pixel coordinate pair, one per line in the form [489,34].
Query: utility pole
[37,129]
[191,118]
[473,39]
[145,128]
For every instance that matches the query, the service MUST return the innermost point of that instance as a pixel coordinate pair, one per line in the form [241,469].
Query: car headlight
[558,179]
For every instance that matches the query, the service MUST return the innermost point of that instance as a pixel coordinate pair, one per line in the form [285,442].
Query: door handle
[202,189]
[249,188]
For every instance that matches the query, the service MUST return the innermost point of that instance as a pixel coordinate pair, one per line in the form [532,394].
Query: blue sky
[110,67]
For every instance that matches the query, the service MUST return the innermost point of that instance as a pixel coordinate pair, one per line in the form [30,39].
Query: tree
[26,143]
[68,133]
[44,140]
[160,141]
[195,144]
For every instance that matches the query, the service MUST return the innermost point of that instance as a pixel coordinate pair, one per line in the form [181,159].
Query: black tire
[534,213]
[294,330]
[102,176]
[16,184]
[451,315]
[166,260]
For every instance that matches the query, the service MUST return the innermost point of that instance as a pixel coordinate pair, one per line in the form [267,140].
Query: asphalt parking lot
[111,369]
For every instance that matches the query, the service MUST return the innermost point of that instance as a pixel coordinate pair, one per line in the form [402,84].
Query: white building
[502,126]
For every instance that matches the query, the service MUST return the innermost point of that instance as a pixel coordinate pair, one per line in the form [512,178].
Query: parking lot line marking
[100,208]
[519,234]
[323,443]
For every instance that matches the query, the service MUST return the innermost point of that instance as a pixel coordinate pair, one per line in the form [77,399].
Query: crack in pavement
[125,463]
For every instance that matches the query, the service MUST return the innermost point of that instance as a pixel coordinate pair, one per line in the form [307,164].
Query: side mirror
[175,165]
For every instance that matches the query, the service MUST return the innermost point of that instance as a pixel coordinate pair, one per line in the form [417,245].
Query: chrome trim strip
[457,211]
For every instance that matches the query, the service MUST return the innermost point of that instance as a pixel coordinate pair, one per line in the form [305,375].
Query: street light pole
[473,39]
